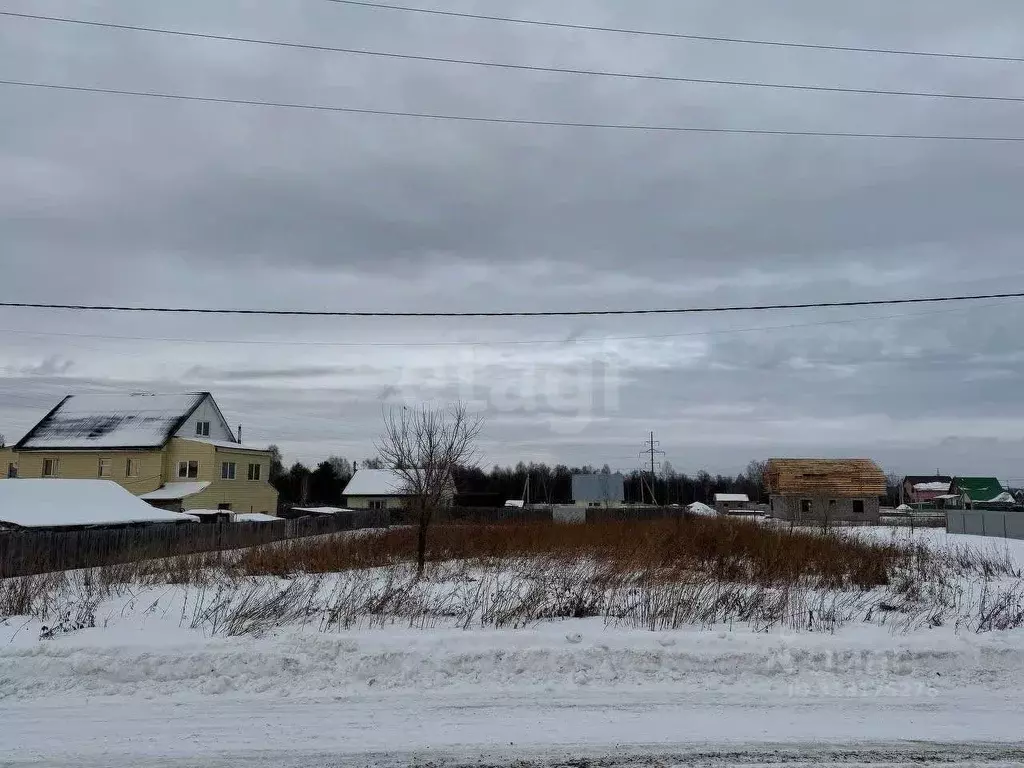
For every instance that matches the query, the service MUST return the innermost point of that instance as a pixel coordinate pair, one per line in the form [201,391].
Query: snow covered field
[144,688]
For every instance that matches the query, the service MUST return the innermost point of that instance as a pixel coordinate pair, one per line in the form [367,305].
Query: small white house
[378,489]
[730,502]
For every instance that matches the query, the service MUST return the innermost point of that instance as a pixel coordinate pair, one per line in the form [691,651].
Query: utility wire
[678,35]
[548,313]
[496,343]
[518,67]
[508,120]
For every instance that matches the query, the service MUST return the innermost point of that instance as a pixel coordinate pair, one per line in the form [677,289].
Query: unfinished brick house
[825,490]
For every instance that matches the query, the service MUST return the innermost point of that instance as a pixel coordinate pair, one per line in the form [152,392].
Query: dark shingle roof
[81,422]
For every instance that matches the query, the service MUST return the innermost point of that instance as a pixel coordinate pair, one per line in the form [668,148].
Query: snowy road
[626,727]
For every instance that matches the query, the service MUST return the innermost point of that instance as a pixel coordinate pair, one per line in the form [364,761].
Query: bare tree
[424,447]
[3,441]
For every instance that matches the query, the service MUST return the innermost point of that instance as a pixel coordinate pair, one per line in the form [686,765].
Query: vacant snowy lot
[372,667]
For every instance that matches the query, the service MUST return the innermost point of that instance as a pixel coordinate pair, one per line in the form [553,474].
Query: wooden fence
[25,552]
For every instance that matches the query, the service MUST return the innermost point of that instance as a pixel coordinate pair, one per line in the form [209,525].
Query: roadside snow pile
[141,659]
[701,510]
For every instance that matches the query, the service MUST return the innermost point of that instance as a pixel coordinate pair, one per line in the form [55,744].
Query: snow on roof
[321,510]
[376,482]
[1003,498]
[517,503]
[112,421]
[59,503]
[174,491]
[254,517]
[731,497]
[935,486]
[702,510]
[905,507]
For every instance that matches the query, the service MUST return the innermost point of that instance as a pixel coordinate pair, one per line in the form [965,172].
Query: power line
[679,35]
[517,67]
[546,313]
[495,343]
[507,120]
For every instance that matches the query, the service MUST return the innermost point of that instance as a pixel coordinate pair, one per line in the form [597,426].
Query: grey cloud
[110,199]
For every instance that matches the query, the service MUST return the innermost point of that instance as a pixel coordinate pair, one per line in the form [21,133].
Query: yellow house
[175,451]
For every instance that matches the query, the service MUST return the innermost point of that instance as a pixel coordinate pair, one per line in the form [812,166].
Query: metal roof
[65,503]
[376,482]
[978,489]
[175,491]
[83,422]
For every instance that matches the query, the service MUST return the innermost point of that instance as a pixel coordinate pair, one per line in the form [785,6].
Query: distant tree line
[539,483]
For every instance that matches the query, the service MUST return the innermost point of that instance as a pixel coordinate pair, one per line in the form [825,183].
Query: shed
[598,490]
[731,502]
[824,490]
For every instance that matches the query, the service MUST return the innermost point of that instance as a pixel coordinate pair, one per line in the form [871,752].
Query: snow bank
[701,510]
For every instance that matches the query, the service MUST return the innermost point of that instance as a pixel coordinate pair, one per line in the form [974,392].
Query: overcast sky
[108,199]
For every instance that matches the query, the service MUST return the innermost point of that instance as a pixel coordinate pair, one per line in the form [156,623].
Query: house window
[378,504]
[224,506]
[50,467]
[255,471]
[188,470]
[106,468]
[131,468]
[227,470]
[12,471]
[203,428]
[858,506]
[805,506]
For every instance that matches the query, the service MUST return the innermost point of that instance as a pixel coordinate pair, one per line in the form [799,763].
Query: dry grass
[724,550]
[653,575]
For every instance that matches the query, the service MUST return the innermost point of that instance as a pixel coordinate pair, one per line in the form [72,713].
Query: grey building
[825,490]
[600,490]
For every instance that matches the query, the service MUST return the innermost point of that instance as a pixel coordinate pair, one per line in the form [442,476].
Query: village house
[987,492]
[919,489]
[176,452]
[825,490]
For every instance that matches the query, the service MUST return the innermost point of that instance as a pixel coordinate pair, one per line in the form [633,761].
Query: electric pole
[651,450]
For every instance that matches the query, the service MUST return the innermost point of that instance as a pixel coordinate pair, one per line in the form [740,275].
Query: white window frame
[131,467]
[187,465]
[54,468]
[228,470]
[105,462]
[255,472]
[202,429]
[378,504]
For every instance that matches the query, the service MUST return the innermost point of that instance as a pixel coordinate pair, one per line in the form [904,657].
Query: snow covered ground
[142,689]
